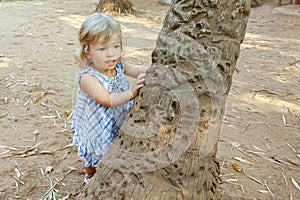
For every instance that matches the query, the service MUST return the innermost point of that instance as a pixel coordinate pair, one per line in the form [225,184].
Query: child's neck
[110,72]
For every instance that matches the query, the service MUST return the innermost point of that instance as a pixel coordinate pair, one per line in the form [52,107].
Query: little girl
[104,97]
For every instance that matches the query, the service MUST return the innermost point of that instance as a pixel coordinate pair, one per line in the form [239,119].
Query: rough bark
[121,6]
[168,144]
[255,3]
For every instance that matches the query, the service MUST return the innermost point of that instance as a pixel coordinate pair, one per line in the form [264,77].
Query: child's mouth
[111,62]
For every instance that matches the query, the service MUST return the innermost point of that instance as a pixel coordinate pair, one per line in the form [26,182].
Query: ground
[259,148]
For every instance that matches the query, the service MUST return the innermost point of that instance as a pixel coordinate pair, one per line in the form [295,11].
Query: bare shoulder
[87,80]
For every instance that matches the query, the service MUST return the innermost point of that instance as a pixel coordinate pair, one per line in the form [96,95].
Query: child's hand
[138,84]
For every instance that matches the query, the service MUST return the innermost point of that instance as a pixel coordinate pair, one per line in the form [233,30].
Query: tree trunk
[256,3]
[167,146]
[121,6]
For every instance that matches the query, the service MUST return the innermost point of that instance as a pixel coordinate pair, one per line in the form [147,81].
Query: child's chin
[111,66]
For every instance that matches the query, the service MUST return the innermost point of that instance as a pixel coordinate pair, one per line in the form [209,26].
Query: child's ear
[88,55]
[86,50]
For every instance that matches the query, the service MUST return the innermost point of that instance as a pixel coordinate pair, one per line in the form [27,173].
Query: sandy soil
[260,136]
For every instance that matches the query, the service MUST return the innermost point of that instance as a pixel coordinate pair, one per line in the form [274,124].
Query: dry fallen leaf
[237,167]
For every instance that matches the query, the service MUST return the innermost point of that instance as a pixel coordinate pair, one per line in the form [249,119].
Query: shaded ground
[37,72]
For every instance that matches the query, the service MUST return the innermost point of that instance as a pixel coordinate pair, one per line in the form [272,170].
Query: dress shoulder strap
[120,68]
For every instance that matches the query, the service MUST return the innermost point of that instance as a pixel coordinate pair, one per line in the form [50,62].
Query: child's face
[105,55]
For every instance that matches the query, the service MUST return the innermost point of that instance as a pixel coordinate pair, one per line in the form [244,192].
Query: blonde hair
[97,26]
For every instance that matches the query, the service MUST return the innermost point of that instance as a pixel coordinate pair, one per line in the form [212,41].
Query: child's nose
[110,52]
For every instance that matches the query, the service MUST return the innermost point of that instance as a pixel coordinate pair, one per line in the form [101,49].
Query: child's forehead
[106,39]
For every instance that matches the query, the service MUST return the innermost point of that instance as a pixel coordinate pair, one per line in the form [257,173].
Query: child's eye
[101,49]
[117,46]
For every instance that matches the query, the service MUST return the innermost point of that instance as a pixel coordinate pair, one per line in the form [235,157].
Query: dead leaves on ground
[251,158]
[27,98]
[255,155]
[26,151]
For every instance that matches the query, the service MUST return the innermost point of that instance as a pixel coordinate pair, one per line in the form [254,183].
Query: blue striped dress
[95,126]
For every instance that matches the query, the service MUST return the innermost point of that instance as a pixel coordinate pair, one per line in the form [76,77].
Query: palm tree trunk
[168,144]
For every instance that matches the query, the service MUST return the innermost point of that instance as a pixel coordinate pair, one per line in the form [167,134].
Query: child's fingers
[139,87]
[141,76]
[140,81]
[139,84]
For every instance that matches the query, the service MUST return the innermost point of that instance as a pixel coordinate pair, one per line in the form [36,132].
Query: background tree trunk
[255,3]
[121,6]
[168,144]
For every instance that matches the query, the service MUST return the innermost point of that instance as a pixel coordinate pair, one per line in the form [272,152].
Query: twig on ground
[234,145]
[285,161]
[18,171]
[290,111]
[263,191]
[249,123]
[245,161]
[239,169]
[284,120]
[71,169]
[55,102]
[255,152]
[231,180]
[65,147]
[42,95]
[242,151]
[28,152]
[285,180]
[62,131]
[265,91]
[295,183]
[289,161]
[251,110]
[267,145]
[57,113]
[17,184]
[242,188]
[18,180]
[257,148]
[6,147]
[43,173]
[52,189]
[48,116]
[269,190]
[254,179]
[23,153]
[237,146]
[4,115]
[294,150]
[5,152]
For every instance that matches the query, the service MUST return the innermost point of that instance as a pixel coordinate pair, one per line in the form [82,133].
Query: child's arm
[134,70]
[90,85]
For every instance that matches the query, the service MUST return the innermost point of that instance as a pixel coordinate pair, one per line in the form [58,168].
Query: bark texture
[168,144]
[121,6]
[255,3]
